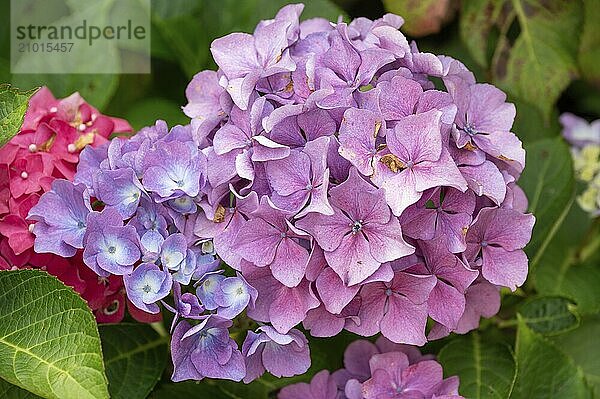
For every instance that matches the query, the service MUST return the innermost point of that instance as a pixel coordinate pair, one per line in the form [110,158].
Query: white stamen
[30,227]
[24,175]
[32,147]
[53,109]
[94,116]
[71,148]
[82,127]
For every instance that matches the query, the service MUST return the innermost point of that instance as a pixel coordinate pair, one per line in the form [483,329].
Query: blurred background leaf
[135,356]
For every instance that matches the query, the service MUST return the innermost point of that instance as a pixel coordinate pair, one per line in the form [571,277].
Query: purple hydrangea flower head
[497,238]
[110,247]
[206,350]
[283,355]
[61,216]
[147,285]
[361,234]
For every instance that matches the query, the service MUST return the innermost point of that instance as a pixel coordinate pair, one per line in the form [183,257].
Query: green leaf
[477,18]
[134,357]
[541,62]
[49,342]
[531,45]
[543,370]
[581,346]
[550,187]
[550,315]
[486,370]
[13,105]
[422,17]
[589,47]
[11,391]
[581,283]
[561,253]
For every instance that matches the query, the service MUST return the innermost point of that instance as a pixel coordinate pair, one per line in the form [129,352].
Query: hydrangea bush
[332,177]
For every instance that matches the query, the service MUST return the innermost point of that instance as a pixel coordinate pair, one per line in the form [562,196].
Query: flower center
[239,291]
[357,226]
[147,288]
[80,225]
[470,130]
[484,244]
[388,292]
[112,249]
[180,183]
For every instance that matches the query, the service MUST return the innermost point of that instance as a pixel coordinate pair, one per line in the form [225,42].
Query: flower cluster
[365,197]
[326,169]
[379,370]
[584,138]
[47,148]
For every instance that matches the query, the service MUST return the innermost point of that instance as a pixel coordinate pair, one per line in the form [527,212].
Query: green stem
[589,246]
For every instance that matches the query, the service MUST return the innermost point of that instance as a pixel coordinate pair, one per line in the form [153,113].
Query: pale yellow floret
[587,162]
